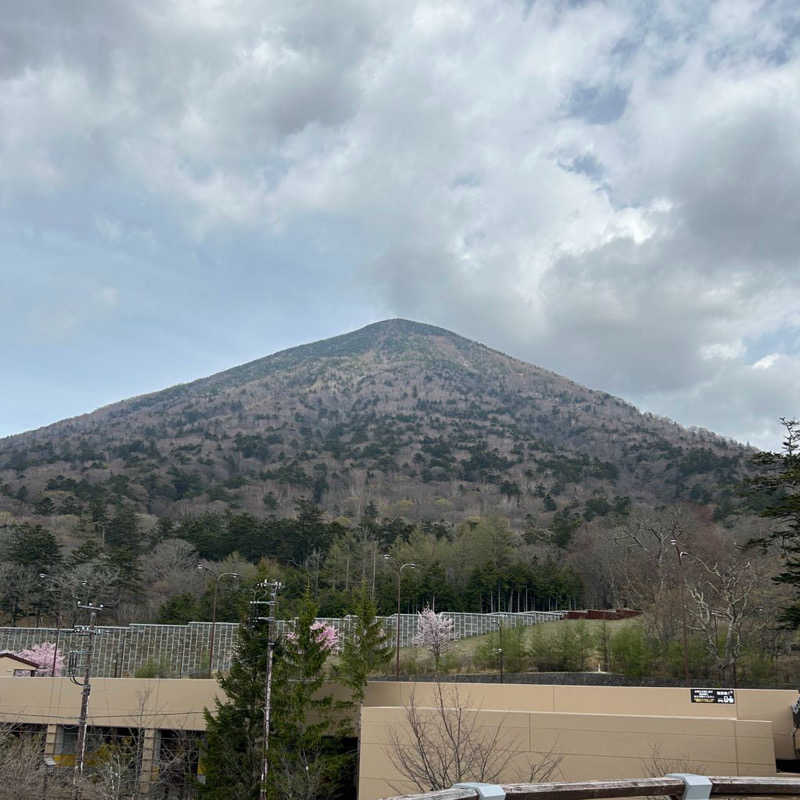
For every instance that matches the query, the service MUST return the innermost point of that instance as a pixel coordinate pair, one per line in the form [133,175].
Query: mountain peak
[394,337]
[426,423]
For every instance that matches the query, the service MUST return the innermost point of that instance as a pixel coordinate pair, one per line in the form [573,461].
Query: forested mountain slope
[414,419]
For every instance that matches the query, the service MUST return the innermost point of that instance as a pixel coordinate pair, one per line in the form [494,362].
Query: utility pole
[272,588]
[80,754]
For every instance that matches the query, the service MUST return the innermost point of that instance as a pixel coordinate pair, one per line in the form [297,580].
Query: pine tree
[780,482]
[233,748]
[366,646]
[34,546]
[305,759]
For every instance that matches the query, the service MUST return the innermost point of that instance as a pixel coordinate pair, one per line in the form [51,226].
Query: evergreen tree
[34,546]
[366,646]
[305,759]
[179,609]
[90,550]
[233,747]
[780,482]
[123,545]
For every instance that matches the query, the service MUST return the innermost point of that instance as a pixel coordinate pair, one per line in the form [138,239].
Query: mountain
[418,421]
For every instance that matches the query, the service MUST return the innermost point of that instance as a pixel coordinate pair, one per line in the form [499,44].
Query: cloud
[609,190]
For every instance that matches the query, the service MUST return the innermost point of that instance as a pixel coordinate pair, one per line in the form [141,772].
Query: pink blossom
[434,632]
[325,635]
[42,654]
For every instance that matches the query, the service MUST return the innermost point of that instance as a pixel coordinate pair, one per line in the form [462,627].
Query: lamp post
[217,576]
[410,565]
[681,554]
[499,650]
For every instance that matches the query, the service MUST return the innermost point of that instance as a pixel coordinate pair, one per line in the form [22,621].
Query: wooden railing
[640,787]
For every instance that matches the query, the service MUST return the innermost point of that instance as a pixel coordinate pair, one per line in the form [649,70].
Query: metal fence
[183,650]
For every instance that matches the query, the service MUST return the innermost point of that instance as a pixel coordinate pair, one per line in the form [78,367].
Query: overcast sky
[610,190]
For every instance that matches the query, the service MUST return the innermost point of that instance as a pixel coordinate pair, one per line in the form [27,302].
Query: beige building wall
[125,702]
[600,732]
[773,705]
[596,732]
[589,746]
[151,705]
[8,664]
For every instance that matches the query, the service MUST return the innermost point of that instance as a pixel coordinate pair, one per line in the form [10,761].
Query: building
[597,731]
[16,666]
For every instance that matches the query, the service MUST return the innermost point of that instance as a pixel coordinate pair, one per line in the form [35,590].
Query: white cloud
[607,189]
[767,362]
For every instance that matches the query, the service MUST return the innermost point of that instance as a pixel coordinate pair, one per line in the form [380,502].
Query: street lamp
[217,576]
[410,565]
[499,650]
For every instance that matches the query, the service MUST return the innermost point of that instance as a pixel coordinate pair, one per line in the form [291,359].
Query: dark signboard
[726,696]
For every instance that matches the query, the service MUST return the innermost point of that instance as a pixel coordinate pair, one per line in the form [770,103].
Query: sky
[610,190]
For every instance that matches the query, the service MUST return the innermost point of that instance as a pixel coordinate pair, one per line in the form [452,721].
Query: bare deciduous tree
[167,570]
[648,567]
[21,764]
[445,744]
[24,774]
[723,605]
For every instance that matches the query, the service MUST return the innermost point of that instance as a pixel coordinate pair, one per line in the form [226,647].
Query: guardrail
[681,786]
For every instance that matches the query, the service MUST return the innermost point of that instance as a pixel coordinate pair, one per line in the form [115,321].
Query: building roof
[15,657]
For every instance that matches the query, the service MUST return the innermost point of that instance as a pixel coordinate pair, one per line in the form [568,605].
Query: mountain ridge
[418,419]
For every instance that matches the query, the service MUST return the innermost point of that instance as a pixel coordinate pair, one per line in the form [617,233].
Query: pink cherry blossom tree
[324,633]
[42,655]
[434,633]
[327,636]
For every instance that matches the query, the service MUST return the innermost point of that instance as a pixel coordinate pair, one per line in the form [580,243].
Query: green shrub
[632,652]
[700,662]
[757,667]
[450,661]
[409,664]
[154,669]
[512,642]
[565,648]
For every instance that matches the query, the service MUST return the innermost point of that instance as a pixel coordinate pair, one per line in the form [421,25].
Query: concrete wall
[600,731]
[760,704]
[123,702]
[597,732]
[150,705]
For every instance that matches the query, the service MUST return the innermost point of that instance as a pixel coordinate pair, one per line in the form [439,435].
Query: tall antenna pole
[80,754]
[43,576]
[272,587]
[682,584]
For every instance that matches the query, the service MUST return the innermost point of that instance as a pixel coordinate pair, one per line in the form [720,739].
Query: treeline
[480,566]
[151,573]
